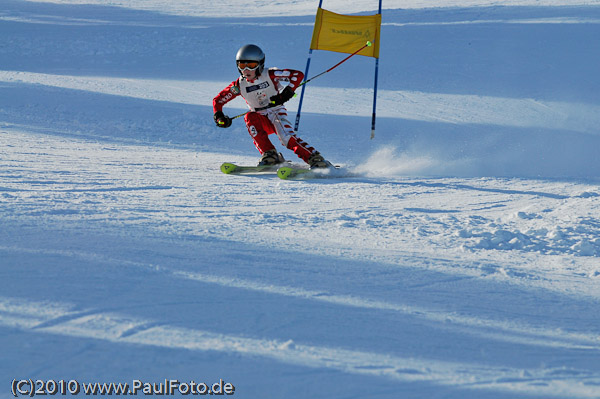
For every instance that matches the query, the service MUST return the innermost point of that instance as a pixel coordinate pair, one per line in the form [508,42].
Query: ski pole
[368,44]
[238,116]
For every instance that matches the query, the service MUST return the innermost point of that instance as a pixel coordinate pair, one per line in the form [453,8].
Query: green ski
[230,168]
[290,172]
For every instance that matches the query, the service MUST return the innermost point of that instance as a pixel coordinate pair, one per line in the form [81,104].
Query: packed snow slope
[460,259]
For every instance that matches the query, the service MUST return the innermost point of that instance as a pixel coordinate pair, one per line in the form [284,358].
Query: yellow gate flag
[346,33]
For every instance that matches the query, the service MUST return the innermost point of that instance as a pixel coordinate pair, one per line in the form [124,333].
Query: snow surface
[460,260]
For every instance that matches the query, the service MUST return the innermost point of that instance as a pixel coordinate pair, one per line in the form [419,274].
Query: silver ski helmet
[250,53]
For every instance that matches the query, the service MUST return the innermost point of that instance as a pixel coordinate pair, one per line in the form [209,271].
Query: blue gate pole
[302,92]
[375,86]
[304,86]
[374,98]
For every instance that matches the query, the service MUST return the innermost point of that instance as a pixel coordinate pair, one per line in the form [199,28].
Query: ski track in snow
[55,318]
[262,8]
[81,182]
[458,258]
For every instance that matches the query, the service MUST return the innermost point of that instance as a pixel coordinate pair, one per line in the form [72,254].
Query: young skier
[265,94]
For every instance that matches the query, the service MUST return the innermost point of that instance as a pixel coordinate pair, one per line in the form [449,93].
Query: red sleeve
[292,76]
[226,95]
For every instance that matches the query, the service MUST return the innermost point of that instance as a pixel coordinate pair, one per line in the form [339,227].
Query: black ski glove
[282,97]
[222,120]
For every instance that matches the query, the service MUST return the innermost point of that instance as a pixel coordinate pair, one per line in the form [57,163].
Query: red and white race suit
[262,119]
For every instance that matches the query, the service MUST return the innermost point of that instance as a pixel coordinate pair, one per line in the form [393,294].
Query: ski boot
[271,157]
[316,160]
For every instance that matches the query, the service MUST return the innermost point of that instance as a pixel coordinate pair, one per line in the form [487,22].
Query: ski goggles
[251,65]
